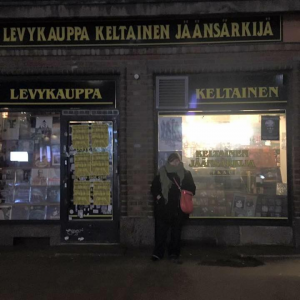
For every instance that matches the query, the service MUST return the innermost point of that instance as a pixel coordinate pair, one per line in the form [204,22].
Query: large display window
[29,166]
[238,161]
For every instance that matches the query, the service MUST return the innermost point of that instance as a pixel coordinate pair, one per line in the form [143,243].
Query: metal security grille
[171,92]
[90,112]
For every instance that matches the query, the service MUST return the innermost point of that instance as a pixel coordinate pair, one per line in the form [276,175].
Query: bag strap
[177,184]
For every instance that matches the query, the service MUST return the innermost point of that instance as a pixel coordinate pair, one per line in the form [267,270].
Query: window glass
[238,162]
[29,166]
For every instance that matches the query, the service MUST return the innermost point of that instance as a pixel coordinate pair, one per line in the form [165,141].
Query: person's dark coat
[172,207]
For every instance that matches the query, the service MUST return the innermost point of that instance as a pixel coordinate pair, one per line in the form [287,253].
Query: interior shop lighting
[20,156]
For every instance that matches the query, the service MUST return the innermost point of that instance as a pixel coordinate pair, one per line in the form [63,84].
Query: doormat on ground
[237,262]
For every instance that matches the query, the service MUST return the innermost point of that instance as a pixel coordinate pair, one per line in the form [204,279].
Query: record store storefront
[107,100]
[232,137]
[49,153]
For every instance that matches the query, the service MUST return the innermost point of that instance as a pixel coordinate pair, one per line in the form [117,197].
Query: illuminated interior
[29,166]
[238,162]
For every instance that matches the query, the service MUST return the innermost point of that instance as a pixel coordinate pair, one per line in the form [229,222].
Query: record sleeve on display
[270,128]
[39,177]
[53,194]
[54,176]
[23,176]
[244,205]
[42,156]
[53,212]
[55,149]
[37,212]
[6,193]
[22,194]
[38,194]
[43,126]
[10,129]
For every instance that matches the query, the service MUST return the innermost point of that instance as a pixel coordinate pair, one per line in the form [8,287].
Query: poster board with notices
[91,169]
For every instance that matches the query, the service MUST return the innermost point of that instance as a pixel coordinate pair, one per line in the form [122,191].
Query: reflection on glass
[29,166]
[238,162]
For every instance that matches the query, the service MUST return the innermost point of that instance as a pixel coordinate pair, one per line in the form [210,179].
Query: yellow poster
[81,193]
[82,164]
[101,193]
[100,164]
[100,136]
[80,137]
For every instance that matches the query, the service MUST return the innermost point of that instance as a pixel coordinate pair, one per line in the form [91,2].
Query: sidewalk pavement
[189,252]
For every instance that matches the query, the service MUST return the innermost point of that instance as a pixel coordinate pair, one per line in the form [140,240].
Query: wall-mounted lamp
[136,76]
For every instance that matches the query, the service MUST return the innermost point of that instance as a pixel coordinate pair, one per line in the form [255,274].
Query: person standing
[167,212]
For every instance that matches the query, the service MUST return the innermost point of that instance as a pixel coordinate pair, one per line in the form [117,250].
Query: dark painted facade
[135,69]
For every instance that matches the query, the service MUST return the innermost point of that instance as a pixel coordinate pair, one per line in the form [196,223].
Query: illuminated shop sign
[237,89]
[91,92]
[197,30]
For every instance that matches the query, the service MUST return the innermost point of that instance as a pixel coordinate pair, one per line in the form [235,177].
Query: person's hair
[174,156]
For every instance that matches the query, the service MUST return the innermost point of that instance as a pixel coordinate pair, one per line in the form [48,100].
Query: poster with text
[170,134]
[270,128]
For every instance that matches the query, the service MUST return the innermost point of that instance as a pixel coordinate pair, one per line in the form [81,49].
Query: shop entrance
[89,189]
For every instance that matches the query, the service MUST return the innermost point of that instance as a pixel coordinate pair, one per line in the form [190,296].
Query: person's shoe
[155,257]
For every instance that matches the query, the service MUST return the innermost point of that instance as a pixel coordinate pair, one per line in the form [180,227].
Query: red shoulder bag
[186,200]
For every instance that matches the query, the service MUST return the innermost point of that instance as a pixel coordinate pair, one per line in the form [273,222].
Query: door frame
[94,230]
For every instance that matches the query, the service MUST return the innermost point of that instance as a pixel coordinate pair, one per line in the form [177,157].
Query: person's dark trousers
[175,240]
[161,234]
[162,227]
